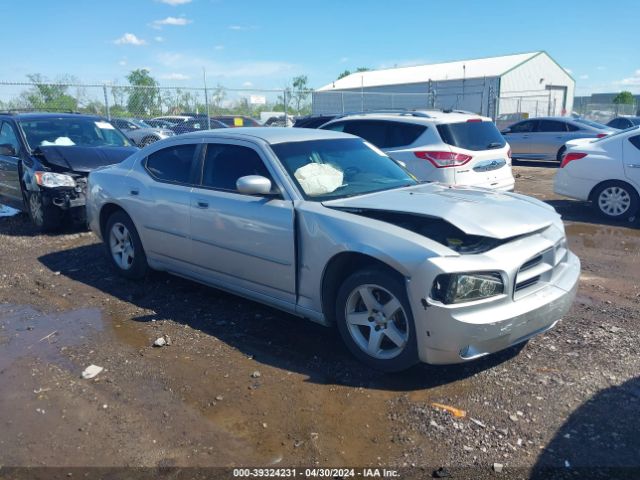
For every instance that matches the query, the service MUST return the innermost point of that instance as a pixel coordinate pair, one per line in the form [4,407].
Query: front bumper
[66,198]
[448,334]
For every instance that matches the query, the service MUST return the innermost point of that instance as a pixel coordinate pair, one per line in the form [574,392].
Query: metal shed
[526,84]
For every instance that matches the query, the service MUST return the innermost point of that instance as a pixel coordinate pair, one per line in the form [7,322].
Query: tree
[300,90]
[144,97]
[50,96]
[624,98]
[346,73]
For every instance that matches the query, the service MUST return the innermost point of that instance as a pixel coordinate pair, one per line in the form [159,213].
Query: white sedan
[605,172]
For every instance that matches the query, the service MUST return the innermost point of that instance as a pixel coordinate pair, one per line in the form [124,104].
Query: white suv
[453,147]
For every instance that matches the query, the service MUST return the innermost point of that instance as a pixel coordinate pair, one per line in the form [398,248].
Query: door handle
[633,165]
[134,192]
[203,204]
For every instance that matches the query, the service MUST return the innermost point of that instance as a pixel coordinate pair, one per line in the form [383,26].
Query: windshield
[597,125]
[69,131]
[139,123]
[472,135]
[338,168]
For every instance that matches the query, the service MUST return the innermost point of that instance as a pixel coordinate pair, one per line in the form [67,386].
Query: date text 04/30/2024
[315,473]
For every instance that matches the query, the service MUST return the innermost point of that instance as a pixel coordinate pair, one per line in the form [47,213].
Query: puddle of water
[25,331]
[7,211]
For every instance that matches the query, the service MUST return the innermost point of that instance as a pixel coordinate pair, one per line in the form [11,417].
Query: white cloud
[344,59]
[247,84]
[233,69]
[173,21]
[174,3]
[175,76]
[584,77]
[601,68]
[129,39]
[123,62]
[633,80]
[219,47]
[159,39]
[240,28]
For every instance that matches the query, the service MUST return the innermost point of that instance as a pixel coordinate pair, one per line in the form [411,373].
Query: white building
[528,83]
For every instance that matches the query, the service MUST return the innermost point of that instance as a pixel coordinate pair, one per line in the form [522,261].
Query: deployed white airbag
[62,141]
[318,178]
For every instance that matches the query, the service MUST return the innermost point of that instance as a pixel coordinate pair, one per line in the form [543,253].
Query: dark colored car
[622,123]
[158,123]
[237,121]
[45,159]
[313,121]
[196,125]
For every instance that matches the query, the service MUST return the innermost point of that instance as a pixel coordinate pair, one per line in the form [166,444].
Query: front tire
[616,200]
[124,248]
[375,320]
[46,218]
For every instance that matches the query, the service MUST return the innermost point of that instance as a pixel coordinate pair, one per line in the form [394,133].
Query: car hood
[475,211]
[83,159]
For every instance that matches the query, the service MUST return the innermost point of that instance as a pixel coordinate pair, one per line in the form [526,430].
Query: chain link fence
[603,112]
[146,102]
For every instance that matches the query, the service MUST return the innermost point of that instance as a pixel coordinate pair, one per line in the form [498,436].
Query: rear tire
[616,200]
[375,321]
[124,248]
[46,218]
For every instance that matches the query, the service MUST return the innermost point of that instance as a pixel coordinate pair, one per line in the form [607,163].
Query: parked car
[605,172]
[45,159]
[544,138]
[173,119]
[196,125]
[236,121]
[312,121]
[325,226]
[155,123]
[622,123]
[139,132]
[449,147]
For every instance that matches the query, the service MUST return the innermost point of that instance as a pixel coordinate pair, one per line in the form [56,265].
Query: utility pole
[206,97]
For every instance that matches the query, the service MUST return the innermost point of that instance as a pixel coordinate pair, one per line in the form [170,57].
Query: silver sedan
[325,226]
[544,138]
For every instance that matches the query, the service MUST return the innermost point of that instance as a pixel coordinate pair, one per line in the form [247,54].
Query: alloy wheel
[377,321]
[35,208]
[121,245]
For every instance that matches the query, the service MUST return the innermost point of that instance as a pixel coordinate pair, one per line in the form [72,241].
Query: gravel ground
[242,384]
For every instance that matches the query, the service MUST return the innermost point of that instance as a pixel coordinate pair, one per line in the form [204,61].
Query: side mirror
[7,150]
[254,185]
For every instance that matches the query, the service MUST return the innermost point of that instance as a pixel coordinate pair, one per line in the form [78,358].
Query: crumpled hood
[84,159]
[475,211]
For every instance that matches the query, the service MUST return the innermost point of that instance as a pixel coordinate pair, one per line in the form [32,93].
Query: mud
[198,402]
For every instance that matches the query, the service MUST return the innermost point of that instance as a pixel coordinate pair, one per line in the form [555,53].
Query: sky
[264,44]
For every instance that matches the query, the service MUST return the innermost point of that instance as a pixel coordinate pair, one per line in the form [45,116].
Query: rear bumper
[456,334]
[570,186]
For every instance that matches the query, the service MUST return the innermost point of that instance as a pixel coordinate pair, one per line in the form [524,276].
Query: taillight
[570,157]
[602,135]
[444,159]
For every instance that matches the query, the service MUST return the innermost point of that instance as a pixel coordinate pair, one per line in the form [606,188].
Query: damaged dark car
[45,159]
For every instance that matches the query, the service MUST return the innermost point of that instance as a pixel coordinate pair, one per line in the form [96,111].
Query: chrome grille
[538,270]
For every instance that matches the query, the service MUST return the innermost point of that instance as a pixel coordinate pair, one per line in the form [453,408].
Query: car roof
[416,116]
[271,135]
[45,115]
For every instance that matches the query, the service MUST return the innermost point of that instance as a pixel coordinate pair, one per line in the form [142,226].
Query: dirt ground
[245,385]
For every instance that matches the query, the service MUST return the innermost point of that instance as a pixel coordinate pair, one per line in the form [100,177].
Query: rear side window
[548,126]
[472,135]
[172,164]
[381,133]
[225,164]
[635,141]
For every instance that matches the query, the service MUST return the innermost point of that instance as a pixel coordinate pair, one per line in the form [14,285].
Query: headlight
[466,287]
[52,180]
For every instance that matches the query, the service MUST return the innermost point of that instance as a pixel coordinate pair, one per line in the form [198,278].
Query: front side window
[523,127]
[70,131]
[8,137]
[225,164]
[338,168]
[172,164]
[382,133]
